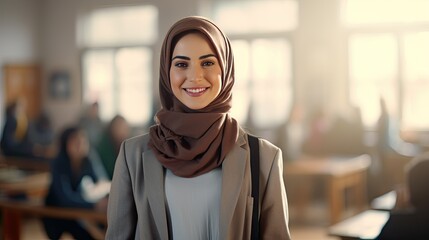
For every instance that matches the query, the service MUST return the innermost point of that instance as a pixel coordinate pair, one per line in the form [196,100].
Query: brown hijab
[193,142]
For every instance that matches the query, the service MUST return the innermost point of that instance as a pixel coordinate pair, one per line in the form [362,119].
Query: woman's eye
[208,63]
[181,65]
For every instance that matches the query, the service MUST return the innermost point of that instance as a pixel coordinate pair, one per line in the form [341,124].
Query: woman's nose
[195,74]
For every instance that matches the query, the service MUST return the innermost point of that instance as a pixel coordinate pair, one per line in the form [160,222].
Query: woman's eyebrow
[181,57]
[188,58]
[207,55]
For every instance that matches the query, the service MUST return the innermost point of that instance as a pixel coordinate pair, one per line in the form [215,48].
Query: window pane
[361,12]
[271,91]
[98,72]
[120,81]
[121,26]
[256,16]
[134,84]
[373,74]
[416,81]
[241,95]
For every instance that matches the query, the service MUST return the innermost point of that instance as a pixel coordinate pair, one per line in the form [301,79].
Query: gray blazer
[137,205]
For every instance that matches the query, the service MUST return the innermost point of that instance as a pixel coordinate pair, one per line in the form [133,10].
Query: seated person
[91,122]
[41,132]
[69,170]
[15,141]
[410,218]
[108,149]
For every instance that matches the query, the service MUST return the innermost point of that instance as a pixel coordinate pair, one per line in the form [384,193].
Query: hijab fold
[193,142]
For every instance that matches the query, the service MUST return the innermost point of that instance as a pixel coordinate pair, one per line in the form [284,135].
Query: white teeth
[195,90]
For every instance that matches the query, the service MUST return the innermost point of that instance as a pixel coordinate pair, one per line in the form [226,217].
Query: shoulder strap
[254,168]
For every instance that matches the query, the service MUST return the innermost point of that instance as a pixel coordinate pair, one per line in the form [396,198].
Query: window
[373,73]
[388,55]
[117,61]
[415,72]
[259,33]
[121,80]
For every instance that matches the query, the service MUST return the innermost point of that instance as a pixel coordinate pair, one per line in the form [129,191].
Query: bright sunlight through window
[117,61]
[416,77]
[263,67]
[388,56]
[373,64]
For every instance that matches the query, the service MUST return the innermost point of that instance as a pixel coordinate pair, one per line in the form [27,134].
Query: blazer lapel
[154,182]
[233,169]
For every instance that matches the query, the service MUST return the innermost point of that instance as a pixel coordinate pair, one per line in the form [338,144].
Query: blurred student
[320,124]
[15,140]
[92,124]
[42,133]
[108,149]
[69,170]
[296,132]
[410,218]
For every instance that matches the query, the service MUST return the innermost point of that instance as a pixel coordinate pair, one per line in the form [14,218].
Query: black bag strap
[254,168]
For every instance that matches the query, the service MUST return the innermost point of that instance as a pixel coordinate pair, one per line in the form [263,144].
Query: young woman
[190,177]
[108,149]
[15,140]
[66,190]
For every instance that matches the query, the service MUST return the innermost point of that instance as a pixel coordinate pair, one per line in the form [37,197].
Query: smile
[195,90]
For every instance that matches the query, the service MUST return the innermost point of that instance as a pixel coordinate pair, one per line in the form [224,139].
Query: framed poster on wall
[59,84]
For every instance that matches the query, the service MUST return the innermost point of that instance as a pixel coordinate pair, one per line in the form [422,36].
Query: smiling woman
[190,177]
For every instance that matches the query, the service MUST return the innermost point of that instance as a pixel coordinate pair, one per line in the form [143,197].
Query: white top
[193,205]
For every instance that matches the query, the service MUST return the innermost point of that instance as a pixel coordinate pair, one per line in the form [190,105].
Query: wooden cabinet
[23,81]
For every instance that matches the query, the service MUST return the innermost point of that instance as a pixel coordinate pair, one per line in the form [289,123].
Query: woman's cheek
[177,79]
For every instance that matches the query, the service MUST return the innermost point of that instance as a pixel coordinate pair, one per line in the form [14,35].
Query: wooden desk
[25,163]
[22,184]
[30,184]
[366,225]
[385,202]
[13,211]
[340,174]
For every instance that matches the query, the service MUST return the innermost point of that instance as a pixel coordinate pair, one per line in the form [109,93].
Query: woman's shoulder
[264,144]
[137,143]
[269,151]
[270,160]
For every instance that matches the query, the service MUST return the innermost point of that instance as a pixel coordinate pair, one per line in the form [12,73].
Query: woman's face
[120,131]
[195,73]
[77,146]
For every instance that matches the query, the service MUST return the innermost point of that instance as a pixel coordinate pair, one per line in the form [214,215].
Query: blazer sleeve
[274,216]
[121,211]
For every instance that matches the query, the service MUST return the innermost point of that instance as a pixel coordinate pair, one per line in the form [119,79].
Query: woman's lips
[196,92]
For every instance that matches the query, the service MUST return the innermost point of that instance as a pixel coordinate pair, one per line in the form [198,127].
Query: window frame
[115,50]
[208,8]
[288,37]
[398,32]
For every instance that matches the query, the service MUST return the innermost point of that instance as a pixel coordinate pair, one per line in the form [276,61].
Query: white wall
[19,37]
[59,52]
